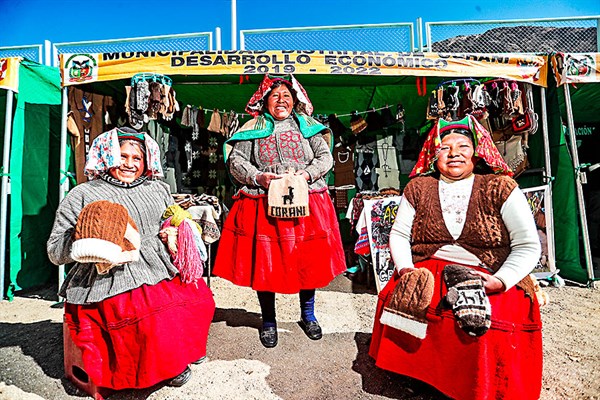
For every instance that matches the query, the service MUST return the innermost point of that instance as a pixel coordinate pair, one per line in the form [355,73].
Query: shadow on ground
[379,382]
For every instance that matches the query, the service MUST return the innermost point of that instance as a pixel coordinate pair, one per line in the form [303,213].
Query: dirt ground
[336,367]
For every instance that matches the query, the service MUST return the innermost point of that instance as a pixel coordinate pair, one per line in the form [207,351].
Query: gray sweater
[145,204]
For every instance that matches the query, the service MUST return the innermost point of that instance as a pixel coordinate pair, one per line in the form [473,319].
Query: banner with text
[83,68]
[576,67]
[9,73]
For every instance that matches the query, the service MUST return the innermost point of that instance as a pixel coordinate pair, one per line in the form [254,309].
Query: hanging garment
[87,111]
[365,163]
[388,174]
[343,165]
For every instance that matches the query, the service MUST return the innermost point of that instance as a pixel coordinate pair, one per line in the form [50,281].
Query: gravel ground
[336,367]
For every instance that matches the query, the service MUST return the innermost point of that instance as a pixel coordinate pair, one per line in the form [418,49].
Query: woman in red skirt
[460,313]
[280,255]
[134,321]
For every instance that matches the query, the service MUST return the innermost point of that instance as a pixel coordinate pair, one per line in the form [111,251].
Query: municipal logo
[82,68]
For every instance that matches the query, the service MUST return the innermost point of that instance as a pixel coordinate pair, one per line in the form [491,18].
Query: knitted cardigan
[145,204]
[484,233]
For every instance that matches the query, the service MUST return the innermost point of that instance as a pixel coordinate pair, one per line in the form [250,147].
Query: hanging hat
[105,234]
[482,142]
[233,122]
[337,127]
[105,152]
[399,112]
[387,118]
[215,122]
[357,123]
[374,121]
[257,101]
[407,306]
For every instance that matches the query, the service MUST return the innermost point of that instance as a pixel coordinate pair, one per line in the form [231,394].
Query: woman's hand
[264,178]
[168,236]
[304,174]
[491,284]
[405,270]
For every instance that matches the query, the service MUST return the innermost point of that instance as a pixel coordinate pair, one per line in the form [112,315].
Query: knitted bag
[407,306]
[105,235]
[288,196]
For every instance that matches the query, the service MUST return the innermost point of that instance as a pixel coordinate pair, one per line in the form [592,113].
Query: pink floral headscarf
[257,101]
[485,148]
[105,153]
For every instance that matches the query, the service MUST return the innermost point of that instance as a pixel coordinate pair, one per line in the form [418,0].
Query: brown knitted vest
[484,233]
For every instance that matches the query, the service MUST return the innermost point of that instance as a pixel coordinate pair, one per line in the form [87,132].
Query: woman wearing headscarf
[280,255]
[133,319]
[460,313]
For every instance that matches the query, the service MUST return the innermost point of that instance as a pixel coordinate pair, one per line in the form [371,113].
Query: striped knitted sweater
[145,204]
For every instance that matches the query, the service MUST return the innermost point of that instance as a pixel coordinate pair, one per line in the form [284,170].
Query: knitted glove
[407,306]
[466,296]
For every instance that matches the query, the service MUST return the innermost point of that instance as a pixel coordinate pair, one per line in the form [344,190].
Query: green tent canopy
[34,160]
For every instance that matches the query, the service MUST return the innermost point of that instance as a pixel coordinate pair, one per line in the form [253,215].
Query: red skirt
[142,337]
[279,254]
[504,363]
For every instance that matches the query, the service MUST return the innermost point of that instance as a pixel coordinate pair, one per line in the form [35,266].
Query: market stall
[343,86]
[579,76]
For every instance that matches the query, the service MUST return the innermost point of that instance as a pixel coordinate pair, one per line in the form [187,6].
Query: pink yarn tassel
[187,260]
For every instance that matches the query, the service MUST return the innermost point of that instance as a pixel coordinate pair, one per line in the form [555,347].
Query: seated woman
[460,313]
[136,323]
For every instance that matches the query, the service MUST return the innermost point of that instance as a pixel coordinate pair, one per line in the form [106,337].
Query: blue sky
[26,22]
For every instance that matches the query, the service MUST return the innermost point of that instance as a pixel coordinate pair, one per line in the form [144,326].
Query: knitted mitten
[466,296]
[407,306]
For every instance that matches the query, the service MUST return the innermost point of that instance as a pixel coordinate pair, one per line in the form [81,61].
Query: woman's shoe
[268,336]
[181,379]
[312,329]
[200,360]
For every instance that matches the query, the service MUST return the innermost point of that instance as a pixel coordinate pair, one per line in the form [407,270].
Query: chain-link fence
[574,35]
[375,37]
[185,42]
[33,52]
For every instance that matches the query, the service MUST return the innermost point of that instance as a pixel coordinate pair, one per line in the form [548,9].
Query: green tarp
[34,175]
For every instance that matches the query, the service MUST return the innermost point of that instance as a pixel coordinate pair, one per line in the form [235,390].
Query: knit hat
[407,306]
[105,234]
[466,295]
[387,118]
[374,121]
[337,127]
[215,122]
[357,123]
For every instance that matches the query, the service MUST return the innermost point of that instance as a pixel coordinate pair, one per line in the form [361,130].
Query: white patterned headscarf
[105,153]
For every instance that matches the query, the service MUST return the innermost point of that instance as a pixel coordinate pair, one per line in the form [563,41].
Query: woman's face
[455,159]
[280,102]
[132,163]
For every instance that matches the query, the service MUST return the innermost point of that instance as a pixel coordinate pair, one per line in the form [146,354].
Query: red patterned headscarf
[485,148]
[257,102]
